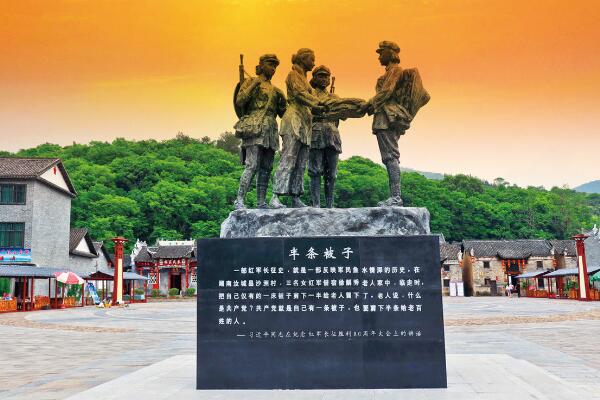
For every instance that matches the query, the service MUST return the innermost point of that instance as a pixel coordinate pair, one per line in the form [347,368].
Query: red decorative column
[157,276]
[584,280]
[117,295]
[187,273]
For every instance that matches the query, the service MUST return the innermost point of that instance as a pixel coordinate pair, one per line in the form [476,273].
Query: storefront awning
[533,274]
[570,272]
[103,275]
[28,271]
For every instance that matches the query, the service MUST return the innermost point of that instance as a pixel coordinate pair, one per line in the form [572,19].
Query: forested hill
[590,187]
[184,188]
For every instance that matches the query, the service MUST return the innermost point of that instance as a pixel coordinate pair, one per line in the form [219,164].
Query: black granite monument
[320,313]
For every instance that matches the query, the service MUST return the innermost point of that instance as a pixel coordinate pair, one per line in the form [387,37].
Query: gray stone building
[35,211]
[592,247]
[35,219]
[450,254]
[487,266]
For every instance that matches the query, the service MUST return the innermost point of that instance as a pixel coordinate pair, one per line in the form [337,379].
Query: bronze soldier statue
[326,144]
[296,127]
[399,95]
[258,103]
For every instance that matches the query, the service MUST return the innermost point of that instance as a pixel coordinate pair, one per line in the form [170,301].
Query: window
[12,234]
[446,282]
[487,282]
[12,194]
[541,283]
[486,264]
[540,264]
[446,267]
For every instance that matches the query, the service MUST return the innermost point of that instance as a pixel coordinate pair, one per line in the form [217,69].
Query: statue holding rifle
[258,103]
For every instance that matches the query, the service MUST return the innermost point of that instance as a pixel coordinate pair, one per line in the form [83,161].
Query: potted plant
[139,294]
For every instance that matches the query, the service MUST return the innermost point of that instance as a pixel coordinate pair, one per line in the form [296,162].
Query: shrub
[191,291]
[155,293]
[138,291]
[173,292]
[74,291]
[4,285]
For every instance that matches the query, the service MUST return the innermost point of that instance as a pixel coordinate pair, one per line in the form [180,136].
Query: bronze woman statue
[296,127]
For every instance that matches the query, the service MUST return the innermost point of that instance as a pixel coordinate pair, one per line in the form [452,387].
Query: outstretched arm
[301,92]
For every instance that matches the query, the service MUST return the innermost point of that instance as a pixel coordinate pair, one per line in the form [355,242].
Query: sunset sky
[515,85]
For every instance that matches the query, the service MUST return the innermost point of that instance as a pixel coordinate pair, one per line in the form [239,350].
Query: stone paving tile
[174,378]
[55,354]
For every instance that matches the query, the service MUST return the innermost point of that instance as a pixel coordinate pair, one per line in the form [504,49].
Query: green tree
[228,142]
[184,188]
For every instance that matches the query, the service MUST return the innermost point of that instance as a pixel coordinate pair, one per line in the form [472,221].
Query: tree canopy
[184,188]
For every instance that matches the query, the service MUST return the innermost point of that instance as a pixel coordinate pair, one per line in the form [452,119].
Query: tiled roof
[561,245]
[174,252]
[99,247]
[144,255]
[151,253]
[449,251]
[508,249]
[76,236]
[25,167]
[32,168]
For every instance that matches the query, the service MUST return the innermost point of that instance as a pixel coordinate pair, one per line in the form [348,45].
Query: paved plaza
[497,348]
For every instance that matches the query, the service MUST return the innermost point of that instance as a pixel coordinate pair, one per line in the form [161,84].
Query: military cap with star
[321,70]
[386,44]
[269,57]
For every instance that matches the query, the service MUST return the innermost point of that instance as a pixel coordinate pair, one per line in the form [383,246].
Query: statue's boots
[393,170]
[262,182]
[329,186]
[245,182]
[275,202]
[297,203]
[315,191]
[239,204]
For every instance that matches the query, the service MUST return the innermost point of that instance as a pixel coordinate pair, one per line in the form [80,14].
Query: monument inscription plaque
[320,313]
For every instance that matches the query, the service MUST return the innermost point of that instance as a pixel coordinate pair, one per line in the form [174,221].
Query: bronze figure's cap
[321,70]
[269,57]
[386,44]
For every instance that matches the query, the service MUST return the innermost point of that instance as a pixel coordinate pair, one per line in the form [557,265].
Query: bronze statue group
[309,126]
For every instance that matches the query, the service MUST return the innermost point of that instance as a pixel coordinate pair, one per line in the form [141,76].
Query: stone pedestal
[309,221]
